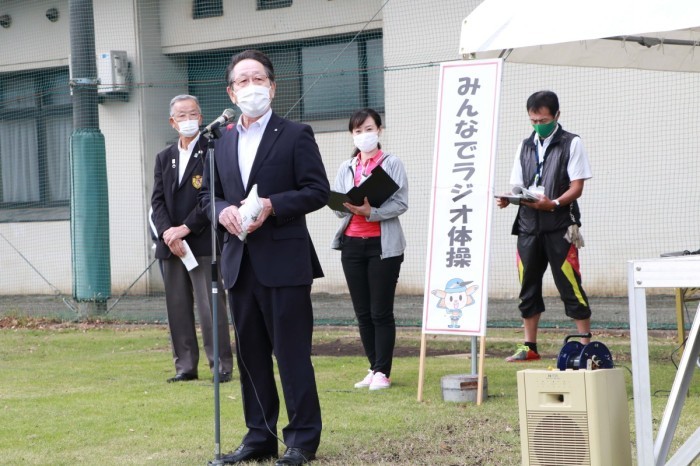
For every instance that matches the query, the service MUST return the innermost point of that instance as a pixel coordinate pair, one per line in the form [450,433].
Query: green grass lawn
[77,394]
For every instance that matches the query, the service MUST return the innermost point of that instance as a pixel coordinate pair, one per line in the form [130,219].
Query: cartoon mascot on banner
[456,296]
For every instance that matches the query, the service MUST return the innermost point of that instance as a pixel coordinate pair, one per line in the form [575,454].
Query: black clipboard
[377,188]
[336,201]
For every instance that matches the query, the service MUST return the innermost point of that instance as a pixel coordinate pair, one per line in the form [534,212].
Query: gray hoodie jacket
[393,240]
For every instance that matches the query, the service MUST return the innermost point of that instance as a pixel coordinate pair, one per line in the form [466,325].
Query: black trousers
[535,252]
[280,321]
[372,284]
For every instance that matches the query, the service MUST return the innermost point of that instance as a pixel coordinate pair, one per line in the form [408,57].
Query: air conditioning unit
[574,417]
[112,69]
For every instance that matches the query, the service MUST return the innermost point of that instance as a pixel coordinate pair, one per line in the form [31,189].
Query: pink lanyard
[363,172]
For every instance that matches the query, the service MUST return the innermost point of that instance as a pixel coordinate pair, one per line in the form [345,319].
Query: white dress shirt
[248,143]
[184,158]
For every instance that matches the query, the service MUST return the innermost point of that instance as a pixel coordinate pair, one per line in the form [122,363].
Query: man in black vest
[552,163]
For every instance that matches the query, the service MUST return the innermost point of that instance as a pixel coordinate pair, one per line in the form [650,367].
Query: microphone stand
[211,137]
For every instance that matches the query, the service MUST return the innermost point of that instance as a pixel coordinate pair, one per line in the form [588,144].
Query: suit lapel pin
[174,163]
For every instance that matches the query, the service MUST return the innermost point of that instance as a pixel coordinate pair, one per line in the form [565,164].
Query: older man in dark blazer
[269,274]
[179,221]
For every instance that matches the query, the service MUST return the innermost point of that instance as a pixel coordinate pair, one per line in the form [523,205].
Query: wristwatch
[556,203]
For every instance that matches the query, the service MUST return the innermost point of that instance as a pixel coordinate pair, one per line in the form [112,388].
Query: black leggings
[372,284]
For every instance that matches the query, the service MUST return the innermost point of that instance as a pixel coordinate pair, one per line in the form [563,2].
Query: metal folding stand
[690,450]
[667,272]
[211,137]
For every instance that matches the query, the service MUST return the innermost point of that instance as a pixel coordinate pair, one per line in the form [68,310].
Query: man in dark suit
[183,230]
[269,274]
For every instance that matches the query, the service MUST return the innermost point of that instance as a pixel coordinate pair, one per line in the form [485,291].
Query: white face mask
[253,100]
[366,142]
[188,128]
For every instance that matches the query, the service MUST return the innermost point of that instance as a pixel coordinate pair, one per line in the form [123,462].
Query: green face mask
[545,130]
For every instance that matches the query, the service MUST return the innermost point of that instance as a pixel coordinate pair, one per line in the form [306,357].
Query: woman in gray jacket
[372,244]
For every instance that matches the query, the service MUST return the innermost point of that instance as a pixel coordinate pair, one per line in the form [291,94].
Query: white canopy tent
[645,34]
[662,35]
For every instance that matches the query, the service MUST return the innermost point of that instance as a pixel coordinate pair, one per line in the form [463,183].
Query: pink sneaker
[364,383]
[379,381]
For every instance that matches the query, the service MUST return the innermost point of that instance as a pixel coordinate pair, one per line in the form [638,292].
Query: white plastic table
[667,272]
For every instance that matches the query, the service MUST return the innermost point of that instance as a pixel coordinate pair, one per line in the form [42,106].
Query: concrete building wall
[32,41]
[421,32]
[30,248]
[242,25]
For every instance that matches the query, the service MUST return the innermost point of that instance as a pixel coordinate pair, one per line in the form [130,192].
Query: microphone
[214,125]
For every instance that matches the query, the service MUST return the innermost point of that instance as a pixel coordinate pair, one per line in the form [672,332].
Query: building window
[317,79]
[270,4]
[207,8]
[36,122]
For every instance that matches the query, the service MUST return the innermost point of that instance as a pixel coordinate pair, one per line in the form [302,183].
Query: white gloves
[573,236]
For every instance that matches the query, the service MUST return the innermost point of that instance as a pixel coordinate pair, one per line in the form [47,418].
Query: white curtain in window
[58,131]
[19,161]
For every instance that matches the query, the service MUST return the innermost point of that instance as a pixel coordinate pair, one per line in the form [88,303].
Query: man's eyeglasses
[243,81]
[186,116]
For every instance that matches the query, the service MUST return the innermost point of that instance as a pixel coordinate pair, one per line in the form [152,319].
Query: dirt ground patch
[354,348]
[348,345]
[48,323]
[337,347]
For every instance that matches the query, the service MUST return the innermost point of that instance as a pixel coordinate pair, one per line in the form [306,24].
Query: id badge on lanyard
[536,187]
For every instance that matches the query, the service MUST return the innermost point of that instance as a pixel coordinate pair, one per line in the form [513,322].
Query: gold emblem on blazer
[197,181]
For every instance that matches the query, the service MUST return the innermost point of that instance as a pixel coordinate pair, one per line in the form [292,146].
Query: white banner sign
[462,202]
